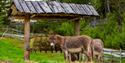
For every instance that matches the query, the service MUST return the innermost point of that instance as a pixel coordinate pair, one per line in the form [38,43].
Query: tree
[118,7]
[4,7]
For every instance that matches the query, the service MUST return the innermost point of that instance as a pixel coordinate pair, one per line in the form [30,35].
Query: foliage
[1,20]
[63,28]
[4,6]
[96,3]
[108,32]
[44,27]
[66,28]
[77,1]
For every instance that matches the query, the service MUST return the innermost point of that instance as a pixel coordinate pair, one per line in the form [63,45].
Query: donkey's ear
[52,33]
[59,37]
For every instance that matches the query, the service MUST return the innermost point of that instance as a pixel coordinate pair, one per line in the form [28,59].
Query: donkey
[73,44]
[97,45]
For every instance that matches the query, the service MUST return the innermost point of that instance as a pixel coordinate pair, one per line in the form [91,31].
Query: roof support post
[77,27]
[27,37]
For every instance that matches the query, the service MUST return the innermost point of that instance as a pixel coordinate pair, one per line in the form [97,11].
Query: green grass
[9,52]
[123,60]
[1,32]
[12,50]
[47,57]
[114,59]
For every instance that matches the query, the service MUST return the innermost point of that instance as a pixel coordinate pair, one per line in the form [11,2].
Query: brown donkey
[73,44]
[97,45]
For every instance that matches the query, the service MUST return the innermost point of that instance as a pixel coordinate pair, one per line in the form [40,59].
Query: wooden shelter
[21,9]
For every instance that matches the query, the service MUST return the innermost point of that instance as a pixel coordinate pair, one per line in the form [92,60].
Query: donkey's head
[52,40]
[55,39]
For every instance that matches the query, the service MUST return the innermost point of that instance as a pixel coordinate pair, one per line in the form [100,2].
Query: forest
[109,26]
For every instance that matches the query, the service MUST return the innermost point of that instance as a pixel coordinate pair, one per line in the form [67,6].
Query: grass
[12,50]
[9,52]
[123,60]
[1,32]
[114,59]
[47,57]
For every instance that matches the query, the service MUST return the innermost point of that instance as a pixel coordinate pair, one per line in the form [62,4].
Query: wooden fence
[10,32]
[114,56]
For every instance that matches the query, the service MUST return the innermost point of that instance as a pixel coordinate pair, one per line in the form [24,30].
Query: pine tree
[4,7]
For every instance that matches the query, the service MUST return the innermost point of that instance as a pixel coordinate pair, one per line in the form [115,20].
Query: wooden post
[120,56]
[27,37]
[77,27]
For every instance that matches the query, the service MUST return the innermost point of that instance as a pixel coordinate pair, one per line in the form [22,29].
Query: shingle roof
[53,7]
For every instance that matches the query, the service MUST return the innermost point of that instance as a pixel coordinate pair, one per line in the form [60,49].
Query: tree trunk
[119,23]
[108,6]
[119,17]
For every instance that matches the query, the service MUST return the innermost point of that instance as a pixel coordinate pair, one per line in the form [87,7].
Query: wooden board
[58,7]
[18,6]
[24,6]
[14,11]
[81,9]
[93,10]
[74,7]
[67,8]
[53,7]
[45,7]
[88,11]
[37,7]
[31,7]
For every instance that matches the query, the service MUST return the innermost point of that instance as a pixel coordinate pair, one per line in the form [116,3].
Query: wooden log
[77,27]
[27,37]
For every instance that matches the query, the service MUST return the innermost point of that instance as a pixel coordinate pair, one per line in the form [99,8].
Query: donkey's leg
[77,56]
[66,55]
[69,57]
[100,57]
[80,57]
[89,54]
[73,57]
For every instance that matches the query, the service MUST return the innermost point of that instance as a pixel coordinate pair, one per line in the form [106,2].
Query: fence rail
[10,32]
[113,56]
